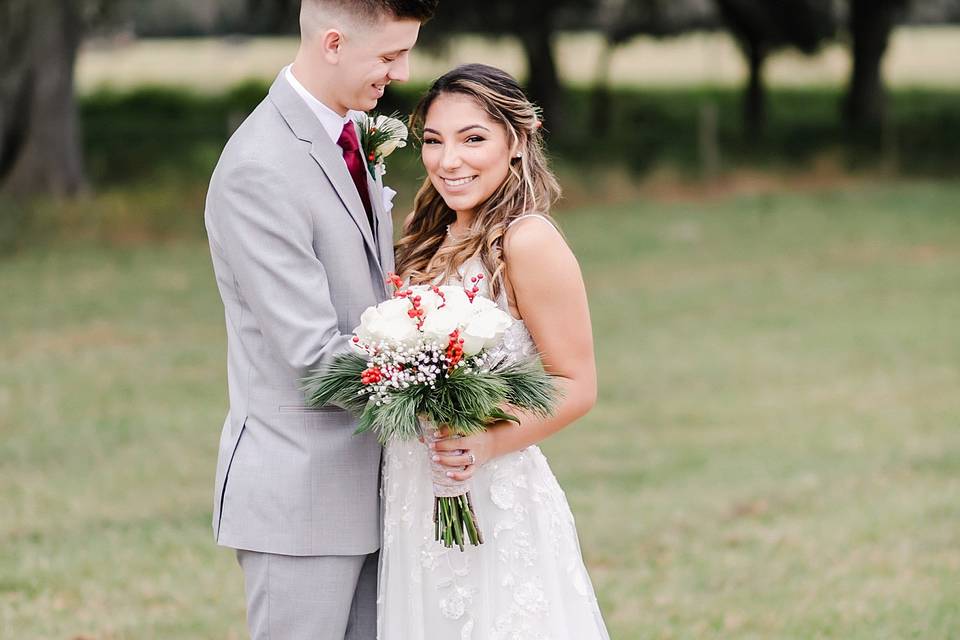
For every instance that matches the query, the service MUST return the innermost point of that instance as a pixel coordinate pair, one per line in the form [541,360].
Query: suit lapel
[327,154]
[330,159]
[379,219]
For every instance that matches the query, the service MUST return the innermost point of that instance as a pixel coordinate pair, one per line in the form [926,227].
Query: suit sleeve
[266,236]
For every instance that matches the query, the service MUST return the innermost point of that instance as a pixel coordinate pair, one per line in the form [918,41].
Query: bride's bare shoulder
[530,235]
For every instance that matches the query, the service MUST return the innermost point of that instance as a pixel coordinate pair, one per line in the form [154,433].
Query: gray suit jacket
[296,264]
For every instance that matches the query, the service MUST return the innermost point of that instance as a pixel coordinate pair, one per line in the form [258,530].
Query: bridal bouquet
[427,358]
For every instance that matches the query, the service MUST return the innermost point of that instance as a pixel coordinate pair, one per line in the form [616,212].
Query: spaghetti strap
[532,215]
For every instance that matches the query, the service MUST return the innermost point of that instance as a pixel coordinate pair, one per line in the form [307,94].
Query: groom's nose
[400,69]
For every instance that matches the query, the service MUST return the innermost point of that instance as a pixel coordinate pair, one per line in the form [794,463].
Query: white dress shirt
[331,120]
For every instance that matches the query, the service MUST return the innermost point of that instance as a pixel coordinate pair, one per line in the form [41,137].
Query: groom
[301,239]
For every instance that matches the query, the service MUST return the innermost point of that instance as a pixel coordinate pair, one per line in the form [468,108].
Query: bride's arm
[552,300]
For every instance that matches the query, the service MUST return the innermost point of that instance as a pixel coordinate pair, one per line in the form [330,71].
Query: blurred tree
[39,134]
[762,27]
[934,12]
[273,16]
[870,23]
[620,21]
[180,18]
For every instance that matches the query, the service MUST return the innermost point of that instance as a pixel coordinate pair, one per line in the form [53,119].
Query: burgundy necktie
[356,166]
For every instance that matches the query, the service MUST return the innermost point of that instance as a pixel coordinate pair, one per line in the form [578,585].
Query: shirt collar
[331,120]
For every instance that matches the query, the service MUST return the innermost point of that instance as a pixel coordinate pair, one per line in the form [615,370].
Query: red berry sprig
[372,375]
[443,298]
[472,292]
[416,311]
[394,279]
[455,349]
[364,346]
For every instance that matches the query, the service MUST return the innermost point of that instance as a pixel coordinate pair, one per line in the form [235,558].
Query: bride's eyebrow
[467,128]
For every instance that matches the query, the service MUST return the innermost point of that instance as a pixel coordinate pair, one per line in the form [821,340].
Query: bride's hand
[463,455]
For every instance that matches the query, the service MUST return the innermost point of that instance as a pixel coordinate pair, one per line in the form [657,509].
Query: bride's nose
[450,159]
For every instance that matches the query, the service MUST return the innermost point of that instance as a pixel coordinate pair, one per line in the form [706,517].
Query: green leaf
[500,414]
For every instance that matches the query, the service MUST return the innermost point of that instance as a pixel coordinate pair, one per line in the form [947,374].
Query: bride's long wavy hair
[529,187]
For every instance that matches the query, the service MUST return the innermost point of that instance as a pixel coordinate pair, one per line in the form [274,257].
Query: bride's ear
[516,149]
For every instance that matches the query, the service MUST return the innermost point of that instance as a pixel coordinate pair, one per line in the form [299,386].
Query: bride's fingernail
[436,434]
[449,474]
[435,458]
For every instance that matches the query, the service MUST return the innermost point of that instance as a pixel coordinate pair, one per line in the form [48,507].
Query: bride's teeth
[457,183]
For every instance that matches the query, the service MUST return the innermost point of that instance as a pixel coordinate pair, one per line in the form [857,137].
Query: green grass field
[775,453]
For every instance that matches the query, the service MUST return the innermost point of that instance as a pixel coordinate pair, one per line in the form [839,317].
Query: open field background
[918,57]
[775,453]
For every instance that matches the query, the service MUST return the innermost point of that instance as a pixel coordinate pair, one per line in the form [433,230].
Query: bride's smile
[453,183]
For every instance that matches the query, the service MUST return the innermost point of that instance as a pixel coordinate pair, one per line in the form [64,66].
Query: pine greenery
[466,399]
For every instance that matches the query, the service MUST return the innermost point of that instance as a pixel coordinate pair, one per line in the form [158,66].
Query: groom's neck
[317,81]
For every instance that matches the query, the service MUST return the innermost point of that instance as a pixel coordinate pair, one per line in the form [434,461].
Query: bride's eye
[430,141]
[476,139]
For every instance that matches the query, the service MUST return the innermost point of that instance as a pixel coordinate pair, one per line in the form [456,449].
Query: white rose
[388,322]
[481,303]
[399,326]
[370,326]
[485,330]
[456,300]
[440,324]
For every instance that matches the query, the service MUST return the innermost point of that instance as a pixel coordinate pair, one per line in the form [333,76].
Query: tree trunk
[755,98]
[600,98]
[39,129]
[543,82]
[871,22]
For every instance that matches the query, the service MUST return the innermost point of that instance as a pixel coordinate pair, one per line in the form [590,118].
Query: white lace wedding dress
[527,581]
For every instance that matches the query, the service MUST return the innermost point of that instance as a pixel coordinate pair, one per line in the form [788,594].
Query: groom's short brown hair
[373,10]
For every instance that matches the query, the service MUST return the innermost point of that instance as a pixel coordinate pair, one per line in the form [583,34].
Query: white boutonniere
[379,137]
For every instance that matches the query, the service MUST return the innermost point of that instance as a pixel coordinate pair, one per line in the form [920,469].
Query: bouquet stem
[454,517]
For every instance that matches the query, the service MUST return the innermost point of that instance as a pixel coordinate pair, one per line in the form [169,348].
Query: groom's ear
[330,43]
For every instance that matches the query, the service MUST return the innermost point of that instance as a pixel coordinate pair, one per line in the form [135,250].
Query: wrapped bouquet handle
[454,518]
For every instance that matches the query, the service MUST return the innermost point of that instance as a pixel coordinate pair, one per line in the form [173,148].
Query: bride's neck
[462,224]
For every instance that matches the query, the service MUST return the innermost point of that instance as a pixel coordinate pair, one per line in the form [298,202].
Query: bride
[483,211]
